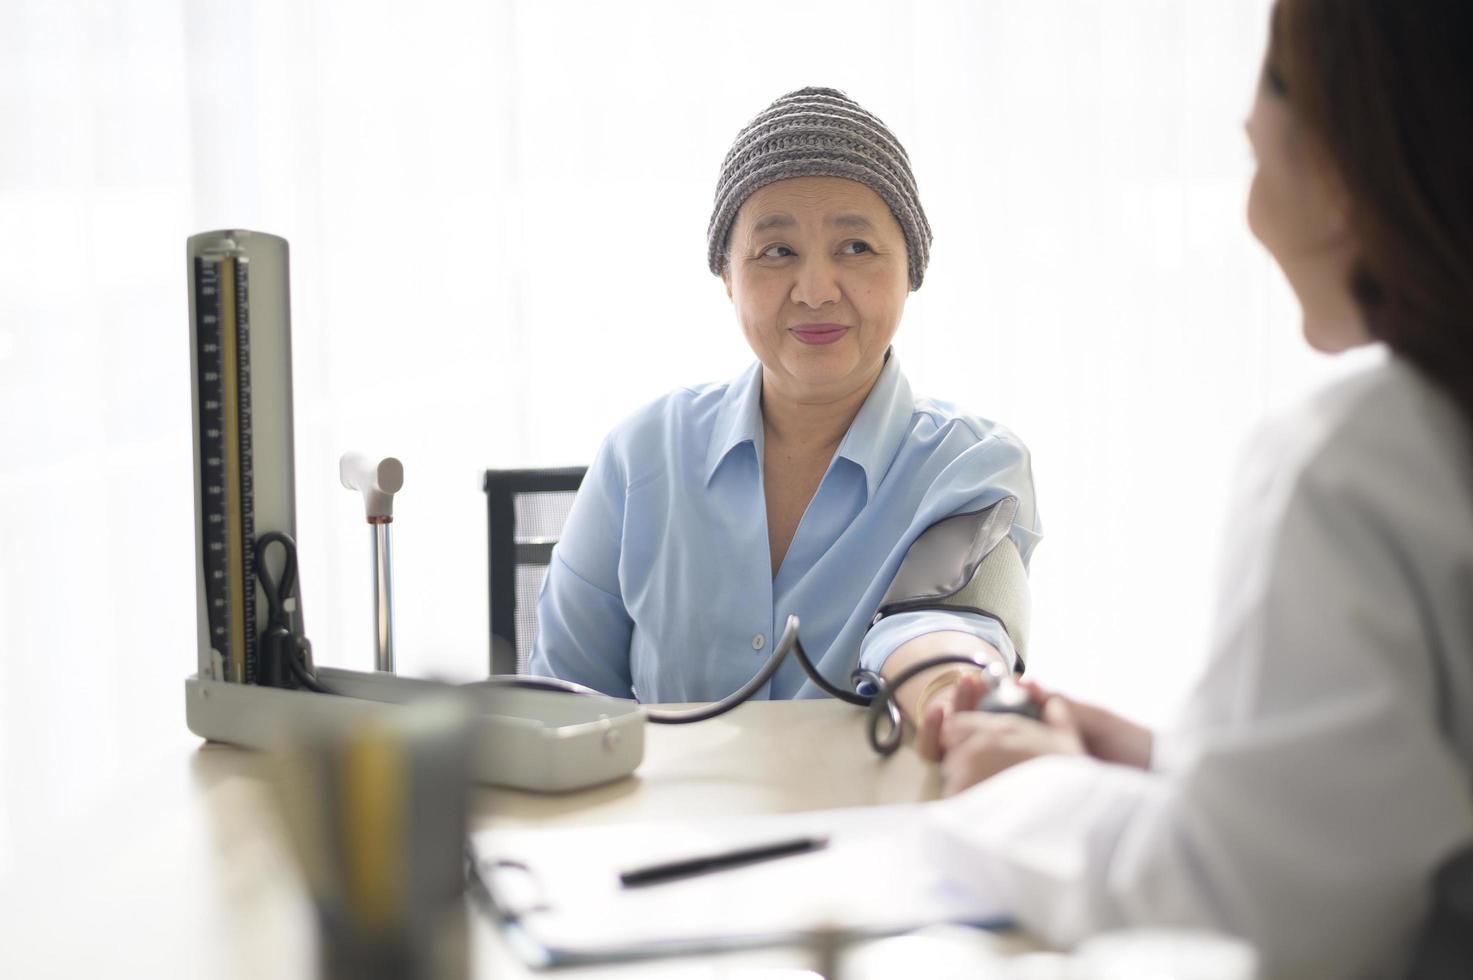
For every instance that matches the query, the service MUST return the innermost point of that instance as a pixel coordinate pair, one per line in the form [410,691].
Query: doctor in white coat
[1315,797]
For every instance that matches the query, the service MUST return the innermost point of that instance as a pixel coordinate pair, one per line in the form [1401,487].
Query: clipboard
[556,896]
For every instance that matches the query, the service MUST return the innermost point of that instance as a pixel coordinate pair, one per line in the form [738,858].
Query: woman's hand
[933,694]
[961,692]
[976,745]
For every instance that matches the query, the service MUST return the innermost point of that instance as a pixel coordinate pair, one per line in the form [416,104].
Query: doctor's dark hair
[1386,86]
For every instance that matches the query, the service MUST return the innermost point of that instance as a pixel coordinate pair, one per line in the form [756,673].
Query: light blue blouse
[661,587]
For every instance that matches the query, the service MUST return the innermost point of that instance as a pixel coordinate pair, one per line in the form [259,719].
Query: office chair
[525,511]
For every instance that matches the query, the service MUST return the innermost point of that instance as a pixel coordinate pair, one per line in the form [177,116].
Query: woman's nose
[817,283]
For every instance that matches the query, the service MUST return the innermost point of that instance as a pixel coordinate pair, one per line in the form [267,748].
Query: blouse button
[758,642]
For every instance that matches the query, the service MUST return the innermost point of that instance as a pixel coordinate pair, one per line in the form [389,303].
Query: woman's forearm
[927,687]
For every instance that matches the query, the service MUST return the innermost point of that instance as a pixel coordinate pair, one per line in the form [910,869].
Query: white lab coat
[1321,772]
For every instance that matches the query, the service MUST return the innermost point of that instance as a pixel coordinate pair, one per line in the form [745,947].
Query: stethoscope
[286,657]
[885,727]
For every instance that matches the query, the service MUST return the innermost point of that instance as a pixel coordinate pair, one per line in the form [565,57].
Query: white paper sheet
[569,905]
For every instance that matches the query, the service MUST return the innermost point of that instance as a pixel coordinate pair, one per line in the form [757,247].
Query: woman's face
[818,276]
[1298,209]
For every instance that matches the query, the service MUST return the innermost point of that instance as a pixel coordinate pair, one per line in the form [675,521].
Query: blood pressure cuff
[966,563]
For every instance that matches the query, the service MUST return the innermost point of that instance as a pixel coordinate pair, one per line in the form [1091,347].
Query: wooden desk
[764,757]
[190,874]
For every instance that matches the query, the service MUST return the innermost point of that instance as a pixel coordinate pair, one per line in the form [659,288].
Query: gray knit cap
[819,132]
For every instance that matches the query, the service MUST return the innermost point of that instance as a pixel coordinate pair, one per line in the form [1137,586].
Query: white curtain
[496,213]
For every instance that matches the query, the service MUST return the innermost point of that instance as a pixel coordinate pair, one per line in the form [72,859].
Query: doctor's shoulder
[647,442]
[1384,441]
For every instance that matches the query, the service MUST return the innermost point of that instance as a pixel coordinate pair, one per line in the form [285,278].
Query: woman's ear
[726,277]
[1331,196]
[1337,207]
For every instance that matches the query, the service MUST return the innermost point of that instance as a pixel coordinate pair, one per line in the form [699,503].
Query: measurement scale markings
[247,471]
[234,552]
[212,427]
[222,303]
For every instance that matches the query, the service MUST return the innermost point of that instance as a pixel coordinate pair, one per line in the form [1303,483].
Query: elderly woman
[802,486]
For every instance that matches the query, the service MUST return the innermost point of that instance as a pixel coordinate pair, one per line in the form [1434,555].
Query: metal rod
[383,597]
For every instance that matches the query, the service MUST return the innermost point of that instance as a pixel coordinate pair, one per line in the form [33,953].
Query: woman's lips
[819,334]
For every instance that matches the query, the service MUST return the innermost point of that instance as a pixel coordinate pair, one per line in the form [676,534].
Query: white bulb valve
[378,481]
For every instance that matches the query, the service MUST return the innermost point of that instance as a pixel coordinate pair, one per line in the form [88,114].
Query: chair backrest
[525,511]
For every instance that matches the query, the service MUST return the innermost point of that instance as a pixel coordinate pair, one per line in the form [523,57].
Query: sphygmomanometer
[967,563]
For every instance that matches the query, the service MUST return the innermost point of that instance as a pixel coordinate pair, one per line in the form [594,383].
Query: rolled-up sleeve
[892,632]
[584,627]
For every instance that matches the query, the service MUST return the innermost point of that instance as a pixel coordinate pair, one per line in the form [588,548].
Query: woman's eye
[855,248]
[777,252]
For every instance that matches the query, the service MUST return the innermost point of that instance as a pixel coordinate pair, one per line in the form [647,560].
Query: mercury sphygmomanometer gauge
[223,375]
[244,480]
[240,330]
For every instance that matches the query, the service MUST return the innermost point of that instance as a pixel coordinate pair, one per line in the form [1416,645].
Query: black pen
[671,870]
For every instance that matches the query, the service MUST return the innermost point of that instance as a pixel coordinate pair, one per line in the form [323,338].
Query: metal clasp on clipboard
[510,889]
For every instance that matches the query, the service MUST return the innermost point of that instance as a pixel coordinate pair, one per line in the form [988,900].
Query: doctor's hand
[976,745]
[1107,736]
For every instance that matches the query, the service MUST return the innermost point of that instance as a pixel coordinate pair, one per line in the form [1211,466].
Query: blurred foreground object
[377,815]
[1445,951]
[1168,954]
